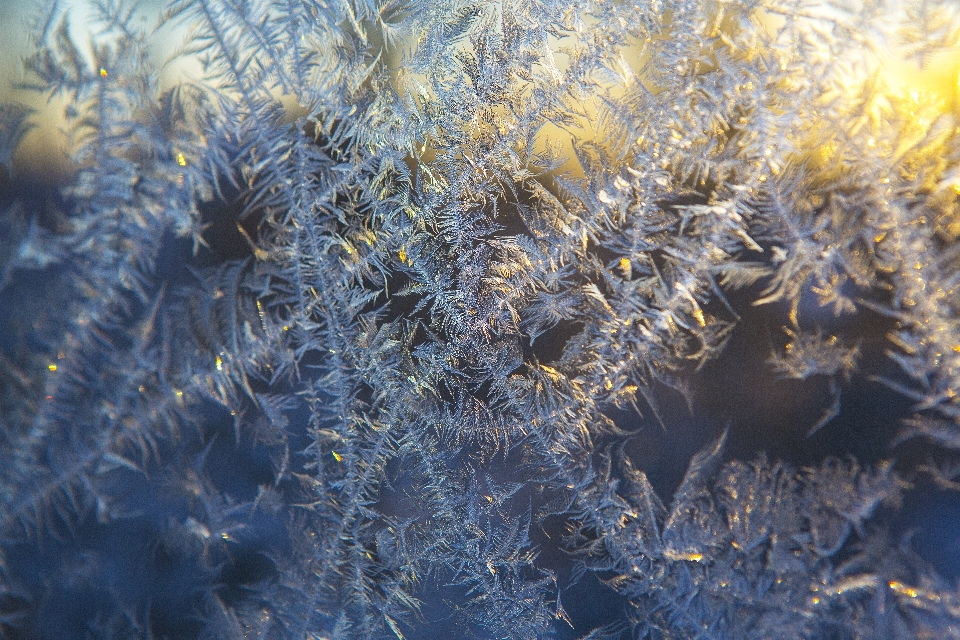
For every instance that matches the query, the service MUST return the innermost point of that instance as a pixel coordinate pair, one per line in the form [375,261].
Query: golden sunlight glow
[936,81]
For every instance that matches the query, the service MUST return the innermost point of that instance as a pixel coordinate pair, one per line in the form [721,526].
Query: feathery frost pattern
[349,319]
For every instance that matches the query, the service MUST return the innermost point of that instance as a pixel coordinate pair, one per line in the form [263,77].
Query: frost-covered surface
[336,340]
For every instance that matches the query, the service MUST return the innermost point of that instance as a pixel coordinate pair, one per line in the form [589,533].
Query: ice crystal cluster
[351,328]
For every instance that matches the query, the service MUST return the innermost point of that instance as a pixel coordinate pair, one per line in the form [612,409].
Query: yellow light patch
[698,314]
[903,589]
[337,456]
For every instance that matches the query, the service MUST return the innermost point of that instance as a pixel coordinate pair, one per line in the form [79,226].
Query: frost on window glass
[363,319]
